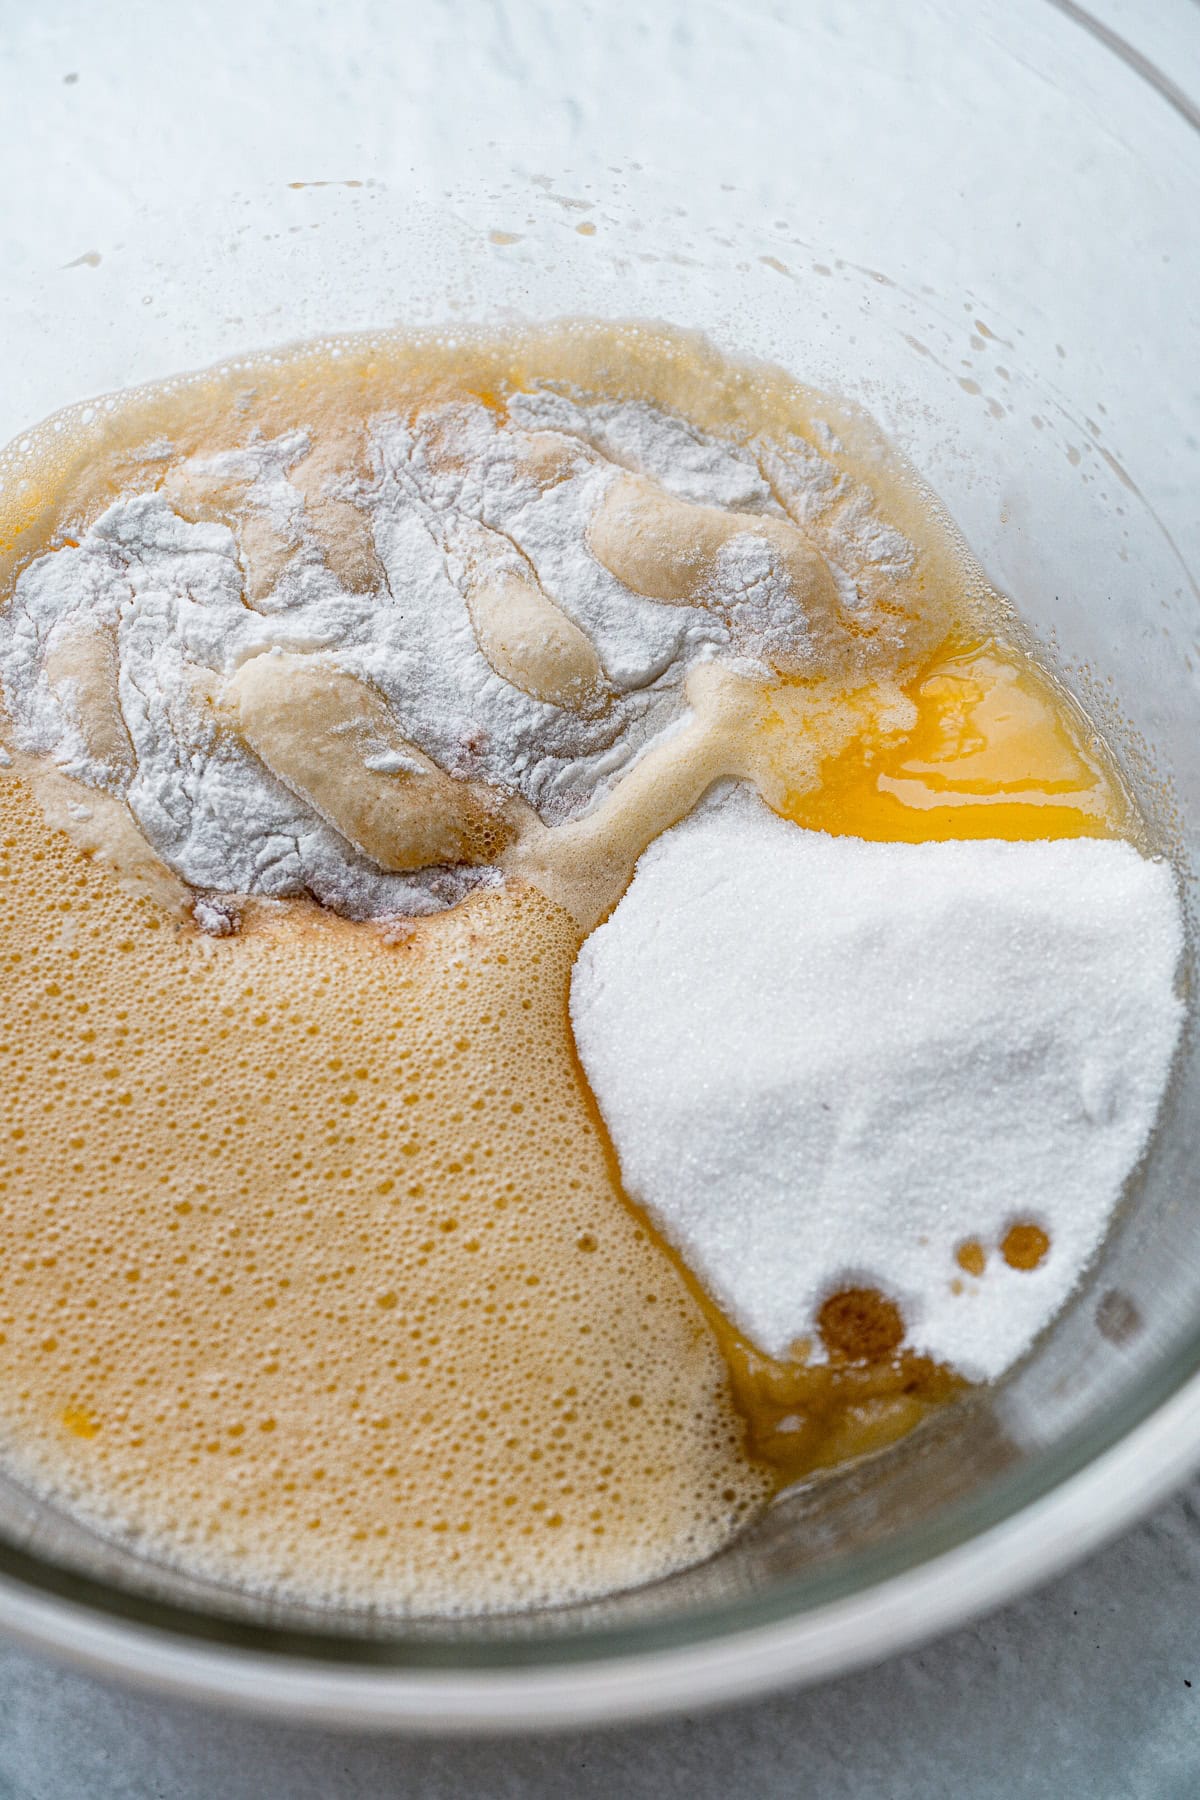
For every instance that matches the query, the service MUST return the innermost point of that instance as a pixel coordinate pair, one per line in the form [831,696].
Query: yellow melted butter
[995,752]
[315,1268]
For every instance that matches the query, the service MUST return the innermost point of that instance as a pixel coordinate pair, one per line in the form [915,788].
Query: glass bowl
[979,222]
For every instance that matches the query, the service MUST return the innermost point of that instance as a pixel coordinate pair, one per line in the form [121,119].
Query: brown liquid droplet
[860,1325]
[1117,1318]
[1024,1246]
[971,1257]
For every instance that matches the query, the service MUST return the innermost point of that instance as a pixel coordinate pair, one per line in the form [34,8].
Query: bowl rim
[1034,1542]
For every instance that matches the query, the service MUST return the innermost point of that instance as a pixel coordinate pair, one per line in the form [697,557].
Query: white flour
[175,605]
[827,1063]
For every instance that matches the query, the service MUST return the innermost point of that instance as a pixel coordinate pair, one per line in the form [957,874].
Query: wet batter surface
[376,667]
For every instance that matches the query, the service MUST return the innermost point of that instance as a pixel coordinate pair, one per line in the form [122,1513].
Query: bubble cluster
[312,1269]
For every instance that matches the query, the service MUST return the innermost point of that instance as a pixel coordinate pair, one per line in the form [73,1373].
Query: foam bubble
[314,1272]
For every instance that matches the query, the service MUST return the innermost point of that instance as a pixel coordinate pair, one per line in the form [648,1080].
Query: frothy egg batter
[344,689]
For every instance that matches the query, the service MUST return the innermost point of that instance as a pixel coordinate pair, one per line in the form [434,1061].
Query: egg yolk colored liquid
[994,753]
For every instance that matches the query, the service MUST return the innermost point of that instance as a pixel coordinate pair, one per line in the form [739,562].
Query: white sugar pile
[827,1063]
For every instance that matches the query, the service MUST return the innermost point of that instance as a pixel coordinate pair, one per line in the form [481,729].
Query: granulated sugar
[830,1064]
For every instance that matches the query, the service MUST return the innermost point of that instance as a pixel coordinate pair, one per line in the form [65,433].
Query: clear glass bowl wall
[980,223]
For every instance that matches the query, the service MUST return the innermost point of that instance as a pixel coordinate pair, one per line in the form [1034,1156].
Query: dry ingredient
[829,1065]
[514,598]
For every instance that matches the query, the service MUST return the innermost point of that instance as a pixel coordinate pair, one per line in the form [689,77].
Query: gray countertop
[1091,1687]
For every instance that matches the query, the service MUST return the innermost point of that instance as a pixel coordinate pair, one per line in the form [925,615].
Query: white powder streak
[173,597]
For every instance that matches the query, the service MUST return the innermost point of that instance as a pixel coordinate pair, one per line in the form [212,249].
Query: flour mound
[444,559]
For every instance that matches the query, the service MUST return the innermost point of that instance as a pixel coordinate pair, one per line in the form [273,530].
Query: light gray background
[106,111]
